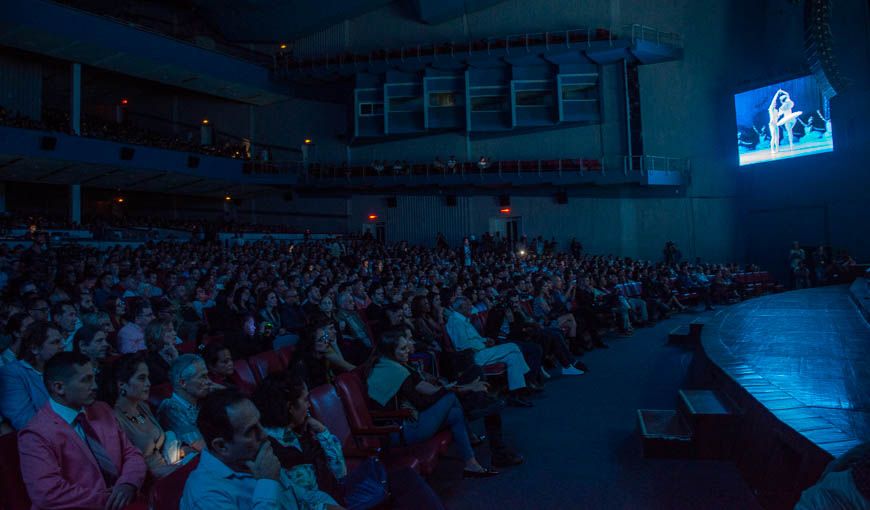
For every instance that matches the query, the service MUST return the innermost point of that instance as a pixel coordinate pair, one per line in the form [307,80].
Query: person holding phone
[127,388]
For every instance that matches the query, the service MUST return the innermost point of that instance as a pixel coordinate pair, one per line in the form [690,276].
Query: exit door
[510,228]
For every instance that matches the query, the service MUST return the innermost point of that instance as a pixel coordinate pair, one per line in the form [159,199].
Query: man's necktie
[107,467]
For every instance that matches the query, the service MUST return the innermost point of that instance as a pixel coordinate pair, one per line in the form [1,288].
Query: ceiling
[271,21]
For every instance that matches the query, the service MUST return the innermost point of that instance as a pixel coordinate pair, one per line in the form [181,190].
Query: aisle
[581,445]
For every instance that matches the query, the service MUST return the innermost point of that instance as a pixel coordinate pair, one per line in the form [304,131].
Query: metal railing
[511,43]
[646,163]
[645,33]
[505,168]
[273,168]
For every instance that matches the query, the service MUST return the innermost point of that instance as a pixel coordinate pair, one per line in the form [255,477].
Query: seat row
[343,409]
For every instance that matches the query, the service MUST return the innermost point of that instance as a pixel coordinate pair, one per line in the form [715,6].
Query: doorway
[509,228]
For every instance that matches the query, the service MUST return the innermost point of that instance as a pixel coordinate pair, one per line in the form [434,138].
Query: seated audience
[249,339]
[16,325]
[161,351]
[238,469]
[73,453]
[128,389]
[219,362]
[92,342]
[312,461]
[131,337]
[190,384]
[393,386]
[464,336]
[22,390]
[319,357]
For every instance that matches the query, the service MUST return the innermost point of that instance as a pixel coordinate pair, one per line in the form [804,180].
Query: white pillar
[75,203]
[75,96]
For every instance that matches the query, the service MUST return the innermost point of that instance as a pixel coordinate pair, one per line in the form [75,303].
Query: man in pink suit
[74,454]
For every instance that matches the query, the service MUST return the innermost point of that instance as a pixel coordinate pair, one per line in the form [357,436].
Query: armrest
[381,430]
[397,414]
[358,452]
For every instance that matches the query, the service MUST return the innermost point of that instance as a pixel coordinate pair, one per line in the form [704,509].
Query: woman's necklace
[137,418]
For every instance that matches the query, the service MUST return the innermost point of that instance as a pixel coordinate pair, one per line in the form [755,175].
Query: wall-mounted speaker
[451,200]
[504,201]
[562,197]
[392,203]
[192,162]
[127,153]
[48,143]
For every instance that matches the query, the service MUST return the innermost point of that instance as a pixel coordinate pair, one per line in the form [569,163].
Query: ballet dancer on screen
[787,117]
[761,136]
[773,127]
[827,133]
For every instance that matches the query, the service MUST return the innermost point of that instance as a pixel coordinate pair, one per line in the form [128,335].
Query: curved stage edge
[797,366]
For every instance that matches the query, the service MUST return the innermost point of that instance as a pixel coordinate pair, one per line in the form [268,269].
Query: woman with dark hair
[127,388]
[241,301]
[160,342]
[219,362]
[93,343]
[427,332]
[116,307]
[319,358]
[392,384]
[15,327]
[311,458]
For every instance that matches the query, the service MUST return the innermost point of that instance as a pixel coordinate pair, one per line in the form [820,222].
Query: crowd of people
[823,266]
[124,132]
[89,333]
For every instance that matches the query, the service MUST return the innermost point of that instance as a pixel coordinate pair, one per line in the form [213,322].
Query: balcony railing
[512,43]
[646,163]
[644,33]
[611,164]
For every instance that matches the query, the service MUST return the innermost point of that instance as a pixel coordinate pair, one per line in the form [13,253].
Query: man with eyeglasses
[131,338]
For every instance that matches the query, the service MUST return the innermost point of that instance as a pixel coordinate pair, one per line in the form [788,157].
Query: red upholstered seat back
[266,363]
[167,491]
[326,407]
[244,377]
[158,394]
[286,354]
[14,493]
[350,389]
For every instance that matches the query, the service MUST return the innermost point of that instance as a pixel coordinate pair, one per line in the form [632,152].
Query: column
[75,97]
[75,203]
[2,197]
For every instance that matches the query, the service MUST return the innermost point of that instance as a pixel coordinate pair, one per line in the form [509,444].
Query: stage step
[713,418]
[687,334]
[664,434]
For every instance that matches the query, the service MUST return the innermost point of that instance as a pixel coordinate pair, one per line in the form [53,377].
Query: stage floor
[805,355]
[806,148]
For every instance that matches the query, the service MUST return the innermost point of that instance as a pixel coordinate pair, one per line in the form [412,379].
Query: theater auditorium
[434,254]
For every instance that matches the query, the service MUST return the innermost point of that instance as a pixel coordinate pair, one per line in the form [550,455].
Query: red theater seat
[266,363]
[350,389]
[326,407]
[158,394]
[14,494]
[167,491]
[245,379]
[286,354]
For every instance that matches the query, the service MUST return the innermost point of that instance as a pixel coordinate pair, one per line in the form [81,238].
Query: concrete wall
[687,110]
